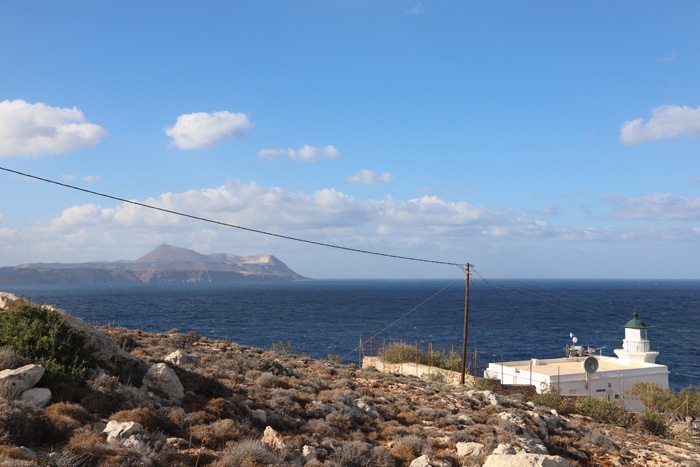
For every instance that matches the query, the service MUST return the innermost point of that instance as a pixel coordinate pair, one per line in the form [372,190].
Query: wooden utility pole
[466,318]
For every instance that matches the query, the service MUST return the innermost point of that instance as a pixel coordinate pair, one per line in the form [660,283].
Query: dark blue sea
[509,319]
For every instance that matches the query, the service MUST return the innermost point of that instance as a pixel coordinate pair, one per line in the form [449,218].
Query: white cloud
[668,121]
[201,130]
[550,210]
[369,177]
[32,129]
[657,207]
[304,154]
[668,59]
[68,177]
[92,179]
[415,9]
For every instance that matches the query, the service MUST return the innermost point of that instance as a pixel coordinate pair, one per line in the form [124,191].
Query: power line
[211,221]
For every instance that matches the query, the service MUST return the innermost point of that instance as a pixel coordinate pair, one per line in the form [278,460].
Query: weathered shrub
[246,453]
[9,360]
[409,447]
[361,454]
[24,425]
[217,433]
[42,335]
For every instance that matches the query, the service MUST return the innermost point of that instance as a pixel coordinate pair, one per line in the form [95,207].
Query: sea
[508,320]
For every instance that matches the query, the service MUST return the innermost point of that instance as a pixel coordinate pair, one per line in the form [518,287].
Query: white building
[608,377]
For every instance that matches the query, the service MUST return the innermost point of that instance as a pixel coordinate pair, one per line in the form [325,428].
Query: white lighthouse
[578,373]
[636,347]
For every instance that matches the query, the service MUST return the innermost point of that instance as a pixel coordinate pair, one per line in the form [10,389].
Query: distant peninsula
[164,264]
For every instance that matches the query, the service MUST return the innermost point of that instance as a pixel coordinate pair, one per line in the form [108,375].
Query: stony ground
[245,406]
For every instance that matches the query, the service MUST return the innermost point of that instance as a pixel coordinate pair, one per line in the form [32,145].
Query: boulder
[39,397]
[180,358]
[429,461]
[121,431]
[526,460]
[22,378]
[259,415]
[272,439]
[504,449]
[162,378]
[469,449]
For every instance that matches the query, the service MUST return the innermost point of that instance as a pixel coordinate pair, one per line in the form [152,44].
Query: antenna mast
[466,317]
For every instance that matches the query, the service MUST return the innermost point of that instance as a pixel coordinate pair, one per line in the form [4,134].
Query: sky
[540,139]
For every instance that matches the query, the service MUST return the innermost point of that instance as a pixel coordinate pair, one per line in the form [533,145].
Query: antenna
[590,365]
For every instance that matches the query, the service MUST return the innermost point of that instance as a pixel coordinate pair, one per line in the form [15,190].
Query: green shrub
[435,377]
[604,411]
[655,423]
[334,358]
[282,347]
[405,353]
[549,399]
[654,396]
[41,334]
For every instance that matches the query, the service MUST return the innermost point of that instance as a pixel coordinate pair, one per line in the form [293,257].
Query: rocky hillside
[164,264]
[178,399]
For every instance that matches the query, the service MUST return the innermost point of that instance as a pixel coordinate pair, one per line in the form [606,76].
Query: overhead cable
[211,221]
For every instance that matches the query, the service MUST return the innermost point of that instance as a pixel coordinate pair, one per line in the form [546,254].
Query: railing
[637,346]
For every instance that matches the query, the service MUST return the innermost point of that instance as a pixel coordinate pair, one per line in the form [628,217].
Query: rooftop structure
[583,373]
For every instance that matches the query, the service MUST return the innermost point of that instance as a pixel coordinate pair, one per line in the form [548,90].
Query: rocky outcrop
[180,358]
[22,378]
[526,460]
[161,378]
[121,431]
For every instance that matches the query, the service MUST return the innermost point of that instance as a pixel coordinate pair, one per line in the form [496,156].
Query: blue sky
[532,139]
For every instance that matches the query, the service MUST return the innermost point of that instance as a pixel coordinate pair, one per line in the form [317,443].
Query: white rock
[272,439]
[135,442]
[180,358]
[504,449]
[39,397]
[121,431]
[526,460]
[22,378]
[162,378]
[180,442]
[310,453]
[427,461]
[469,449]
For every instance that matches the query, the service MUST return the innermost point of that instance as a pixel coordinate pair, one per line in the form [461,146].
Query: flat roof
[574,365]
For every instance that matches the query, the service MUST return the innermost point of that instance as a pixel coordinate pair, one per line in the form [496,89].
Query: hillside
[231,405]
[164,264]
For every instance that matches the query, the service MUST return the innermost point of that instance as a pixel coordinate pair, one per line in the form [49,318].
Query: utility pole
[466,318]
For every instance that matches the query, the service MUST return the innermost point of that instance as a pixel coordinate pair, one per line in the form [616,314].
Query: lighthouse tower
[636,348]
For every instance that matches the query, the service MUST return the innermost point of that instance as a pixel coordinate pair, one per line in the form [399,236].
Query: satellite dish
[590,365]
[575,339]
[571,334]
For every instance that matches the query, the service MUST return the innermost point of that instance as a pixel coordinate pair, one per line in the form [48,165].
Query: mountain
[164,264]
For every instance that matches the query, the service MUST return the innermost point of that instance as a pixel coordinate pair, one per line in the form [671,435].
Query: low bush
[42,335]
[655,423]
[246,453]
[405,353]
[24,425]
[604,411]
[361,454]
